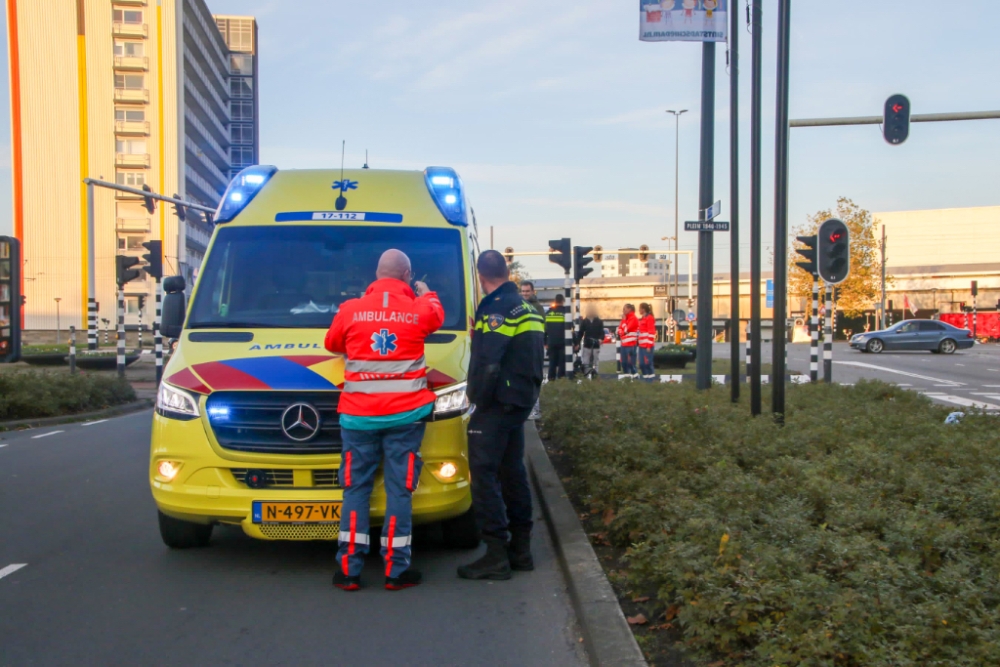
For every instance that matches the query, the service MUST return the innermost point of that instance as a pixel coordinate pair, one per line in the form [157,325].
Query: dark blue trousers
[500,493]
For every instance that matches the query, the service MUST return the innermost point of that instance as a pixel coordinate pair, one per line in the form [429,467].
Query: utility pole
[734,196]
[780,215]
[703,362]
[756,58]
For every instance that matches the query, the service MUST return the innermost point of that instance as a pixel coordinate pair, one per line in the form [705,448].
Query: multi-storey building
[622,264]
[130,91]
[240,35]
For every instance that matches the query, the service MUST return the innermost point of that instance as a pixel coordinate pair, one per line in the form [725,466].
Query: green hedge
[863,532]
[29,395]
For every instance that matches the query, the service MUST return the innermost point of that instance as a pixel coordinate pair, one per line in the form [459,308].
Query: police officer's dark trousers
[557,361]
[500,493]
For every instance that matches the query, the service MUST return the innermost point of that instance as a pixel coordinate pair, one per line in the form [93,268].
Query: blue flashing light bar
[446,190]
[242,190]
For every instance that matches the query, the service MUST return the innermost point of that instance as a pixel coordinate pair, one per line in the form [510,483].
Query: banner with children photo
[683,20]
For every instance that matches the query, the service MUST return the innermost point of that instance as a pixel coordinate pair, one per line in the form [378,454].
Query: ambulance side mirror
[174,307]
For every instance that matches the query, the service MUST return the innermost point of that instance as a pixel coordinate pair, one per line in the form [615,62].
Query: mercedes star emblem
[300,422]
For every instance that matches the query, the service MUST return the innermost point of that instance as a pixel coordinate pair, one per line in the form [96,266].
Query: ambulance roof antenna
[366,159]
[341,202]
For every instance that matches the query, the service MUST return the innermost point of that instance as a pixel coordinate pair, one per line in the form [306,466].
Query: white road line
[993,396]
[99,421]
[961,400]
[1,446]
[45,435]
[861,364]
[992,386]
[11,569]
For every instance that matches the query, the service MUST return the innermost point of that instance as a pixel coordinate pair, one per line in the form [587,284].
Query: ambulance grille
[250,421]
[278,531]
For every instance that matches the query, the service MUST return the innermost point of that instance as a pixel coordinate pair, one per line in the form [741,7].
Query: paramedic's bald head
[393,264]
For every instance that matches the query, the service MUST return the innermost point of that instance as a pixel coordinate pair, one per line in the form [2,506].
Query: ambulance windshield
[297,276]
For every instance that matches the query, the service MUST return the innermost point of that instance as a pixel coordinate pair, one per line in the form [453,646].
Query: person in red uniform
[647,340]
[382,409]
[628,334]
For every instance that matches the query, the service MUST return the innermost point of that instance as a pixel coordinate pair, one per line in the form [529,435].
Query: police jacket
[382,334]
[555,326]
[591,333]
[507,351]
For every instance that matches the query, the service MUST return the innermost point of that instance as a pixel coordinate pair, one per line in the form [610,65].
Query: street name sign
[705,226]
[712,211]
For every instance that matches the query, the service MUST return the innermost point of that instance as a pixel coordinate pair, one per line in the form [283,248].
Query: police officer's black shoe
[346,583]
[519,550]
[406,579]
[494,565]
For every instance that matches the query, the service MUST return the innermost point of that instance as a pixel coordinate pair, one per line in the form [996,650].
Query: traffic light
[148,202]
[896,119]
[124,271]
[598,253]
[809,252]
[11,299]
[154,258]
[580,260]
[975,288]
[142,302]
[644,253]
[559,254]
[833,251]
[508,254]
[180,211]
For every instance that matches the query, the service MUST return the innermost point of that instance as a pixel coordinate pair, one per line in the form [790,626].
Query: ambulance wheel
[178,534]
[461,532]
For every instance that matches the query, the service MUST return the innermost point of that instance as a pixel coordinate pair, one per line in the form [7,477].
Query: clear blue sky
[554,112]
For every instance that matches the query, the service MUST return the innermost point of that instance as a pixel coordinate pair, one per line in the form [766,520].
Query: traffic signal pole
[828,336]
[756,58]
[121,331]
[703,360]
[91,275]
[734,195]
[814,333]
[157,338]
[780,215]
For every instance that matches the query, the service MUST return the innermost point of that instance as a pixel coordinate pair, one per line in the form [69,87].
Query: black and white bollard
[618,355]
[746,364]
[72,347]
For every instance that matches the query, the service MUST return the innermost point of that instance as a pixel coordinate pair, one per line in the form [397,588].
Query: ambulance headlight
[451,401]
[446,190]
[242,190]
[175,403]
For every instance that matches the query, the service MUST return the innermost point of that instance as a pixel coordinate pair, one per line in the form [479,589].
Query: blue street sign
[690,317]
[770,294]
[713,210]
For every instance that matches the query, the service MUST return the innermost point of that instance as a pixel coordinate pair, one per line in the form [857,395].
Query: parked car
[608,338]
[938,337]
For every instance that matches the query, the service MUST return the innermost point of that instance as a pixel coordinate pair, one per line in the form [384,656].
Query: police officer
[555,337]
[505,375]
[529,295]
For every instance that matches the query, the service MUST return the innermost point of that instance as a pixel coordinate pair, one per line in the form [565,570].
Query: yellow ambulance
[246,430]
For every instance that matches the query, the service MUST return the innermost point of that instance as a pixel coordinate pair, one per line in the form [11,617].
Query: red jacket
[382,334]
[647,332]
[628,330]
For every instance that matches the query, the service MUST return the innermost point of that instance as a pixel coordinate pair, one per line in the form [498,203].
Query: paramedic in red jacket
[628,334]
[647,340]
[382,410]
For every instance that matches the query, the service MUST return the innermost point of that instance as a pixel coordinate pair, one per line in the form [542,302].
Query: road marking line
[960,365]
[2,446]
[11,569]
[45,435]
[99,421]
[961,400]
[861,364]
[992,385]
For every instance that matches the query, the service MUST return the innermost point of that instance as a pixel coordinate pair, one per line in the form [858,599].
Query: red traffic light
[836,236]
[897,107]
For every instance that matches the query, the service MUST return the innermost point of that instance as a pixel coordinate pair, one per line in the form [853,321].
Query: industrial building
[128,91]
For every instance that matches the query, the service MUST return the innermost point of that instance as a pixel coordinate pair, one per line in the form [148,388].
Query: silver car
[937,337]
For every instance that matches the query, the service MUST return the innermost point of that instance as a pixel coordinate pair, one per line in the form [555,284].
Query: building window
[239,87]
[238,33]
[132,305]
[127,16]
[241,110]
[130,146]
[130,81]
[242,156]
[240,64]
[241,134]
[131,115]
[133,179]
[130,49]
[131,242]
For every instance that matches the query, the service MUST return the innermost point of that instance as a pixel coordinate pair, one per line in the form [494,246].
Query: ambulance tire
[461,532]
[178,534]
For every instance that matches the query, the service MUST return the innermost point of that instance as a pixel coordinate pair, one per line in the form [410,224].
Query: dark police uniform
[505,375]
[555,341]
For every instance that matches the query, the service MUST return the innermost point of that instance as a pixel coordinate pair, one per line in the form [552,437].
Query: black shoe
[519,550]
[346,583]
[494,565]
[406,579]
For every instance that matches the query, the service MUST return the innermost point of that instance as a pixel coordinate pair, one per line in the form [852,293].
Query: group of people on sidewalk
[638,339]
[386,401]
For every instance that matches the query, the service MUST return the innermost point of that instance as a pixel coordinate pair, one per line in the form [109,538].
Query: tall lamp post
[57,299]
[677,152]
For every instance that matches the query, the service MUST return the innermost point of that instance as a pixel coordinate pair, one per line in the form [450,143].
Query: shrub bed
[863,532]
[30,395]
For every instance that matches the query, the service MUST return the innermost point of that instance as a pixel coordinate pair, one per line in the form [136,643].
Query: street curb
[606,635]
[134,406]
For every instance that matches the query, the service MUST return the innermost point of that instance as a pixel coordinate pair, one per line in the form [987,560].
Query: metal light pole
[677,154]
[58,323]
[755,221]
[706,242]
[780,214]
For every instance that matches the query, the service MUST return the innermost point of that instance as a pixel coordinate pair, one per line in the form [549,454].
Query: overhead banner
[683,20]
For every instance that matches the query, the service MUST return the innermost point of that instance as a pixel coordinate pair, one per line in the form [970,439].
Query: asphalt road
[99,587]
